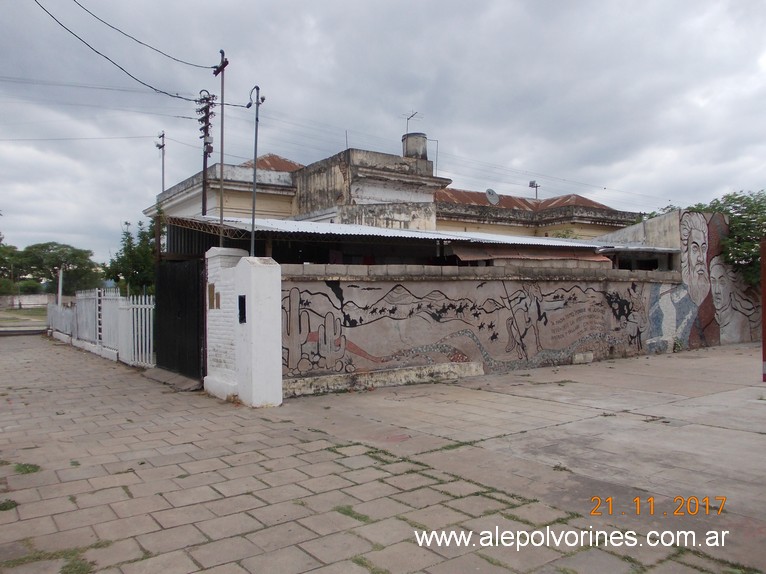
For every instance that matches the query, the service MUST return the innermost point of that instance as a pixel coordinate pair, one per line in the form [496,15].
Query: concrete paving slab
[135,475]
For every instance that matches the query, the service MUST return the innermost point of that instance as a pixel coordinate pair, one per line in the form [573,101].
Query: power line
[140,42]
[158,90]
[73,139]
[38,82]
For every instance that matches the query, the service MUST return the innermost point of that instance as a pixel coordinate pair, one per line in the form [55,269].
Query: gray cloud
[634,104]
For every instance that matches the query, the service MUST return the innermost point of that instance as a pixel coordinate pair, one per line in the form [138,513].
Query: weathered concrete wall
[390,215]
[26,301]
[662,231]
[347,326]
[356,177]
[351,320]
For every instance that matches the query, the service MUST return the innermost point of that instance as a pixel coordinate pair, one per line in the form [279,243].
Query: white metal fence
[136,339]
[119,328]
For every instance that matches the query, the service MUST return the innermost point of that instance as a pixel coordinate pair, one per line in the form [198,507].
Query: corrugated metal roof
[323,228]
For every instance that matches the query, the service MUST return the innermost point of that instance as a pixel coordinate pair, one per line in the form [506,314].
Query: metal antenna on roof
[410,116]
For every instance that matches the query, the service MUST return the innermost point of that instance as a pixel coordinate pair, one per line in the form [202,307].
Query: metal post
[219,69]
[161,147]
[258,101]
[60,293]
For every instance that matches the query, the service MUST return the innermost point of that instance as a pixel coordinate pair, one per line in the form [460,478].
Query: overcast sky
[635,104]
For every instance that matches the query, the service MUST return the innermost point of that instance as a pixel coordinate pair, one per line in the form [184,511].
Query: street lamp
[258,101]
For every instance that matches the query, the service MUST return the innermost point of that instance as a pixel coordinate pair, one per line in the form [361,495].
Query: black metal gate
[180,331]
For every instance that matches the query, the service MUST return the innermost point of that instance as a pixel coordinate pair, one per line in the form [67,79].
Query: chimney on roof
[415,145]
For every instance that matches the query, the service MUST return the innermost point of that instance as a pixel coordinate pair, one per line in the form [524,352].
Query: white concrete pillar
[258,329]
[221,316]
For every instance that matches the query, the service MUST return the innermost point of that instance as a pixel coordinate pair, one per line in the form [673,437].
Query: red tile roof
[463,197]
[273,162]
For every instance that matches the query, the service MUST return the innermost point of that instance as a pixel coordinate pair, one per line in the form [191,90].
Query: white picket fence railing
[137,330]
[118,328]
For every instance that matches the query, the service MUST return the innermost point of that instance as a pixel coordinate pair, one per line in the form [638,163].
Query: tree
[8,261]
[747,227]
[133,265]
[42,261]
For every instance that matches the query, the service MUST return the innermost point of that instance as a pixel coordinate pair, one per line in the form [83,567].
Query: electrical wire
[36,82]
[158,90]
[74,139]
[142,43]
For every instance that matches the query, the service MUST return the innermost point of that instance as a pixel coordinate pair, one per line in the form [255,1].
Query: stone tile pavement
[104,470]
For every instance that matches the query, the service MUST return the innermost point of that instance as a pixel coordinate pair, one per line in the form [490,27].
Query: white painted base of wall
[220,388]
[110,354]
[389,378]
[62,337]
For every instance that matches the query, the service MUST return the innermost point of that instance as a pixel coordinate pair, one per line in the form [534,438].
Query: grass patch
[31,312]
[24,468]
[8,504]
[350,512]
[561,468]
[454,445]
[77,566]
[369,566]
[415,525]
[491,560]
[74,463]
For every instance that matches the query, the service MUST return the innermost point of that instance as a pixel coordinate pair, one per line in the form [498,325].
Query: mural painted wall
[345,327]
[713,306]
[338,326]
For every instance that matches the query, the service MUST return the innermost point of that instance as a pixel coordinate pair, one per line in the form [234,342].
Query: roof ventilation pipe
[415,145]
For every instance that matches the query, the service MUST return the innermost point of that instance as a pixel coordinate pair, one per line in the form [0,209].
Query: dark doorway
[179,331]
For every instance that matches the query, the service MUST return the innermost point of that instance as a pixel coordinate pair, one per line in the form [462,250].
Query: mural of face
[694,245]
[720,286]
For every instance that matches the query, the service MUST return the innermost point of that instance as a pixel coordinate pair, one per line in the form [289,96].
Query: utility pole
[535,185]
[161,146]
[258,101]
[219,69]
[205,112]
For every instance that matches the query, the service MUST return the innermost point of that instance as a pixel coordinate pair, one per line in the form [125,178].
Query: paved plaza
[104,470]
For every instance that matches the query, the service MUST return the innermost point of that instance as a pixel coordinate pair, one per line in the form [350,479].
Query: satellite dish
[492,197]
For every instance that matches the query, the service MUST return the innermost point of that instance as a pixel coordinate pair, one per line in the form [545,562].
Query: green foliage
[133,265]
[7,287]
[42,261]
[747,227]
[26,468]
[29,287]
[8,254]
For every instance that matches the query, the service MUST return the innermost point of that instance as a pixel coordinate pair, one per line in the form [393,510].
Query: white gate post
[258,289]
